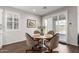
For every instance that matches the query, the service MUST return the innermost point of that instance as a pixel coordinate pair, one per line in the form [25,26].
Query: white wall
[19,35]
[1,32]
[78,18]
[72,18]
[78,23]
[72,29]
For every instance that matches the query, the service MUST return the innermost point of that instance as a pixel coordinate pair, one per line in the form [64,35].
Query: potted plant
[41,29]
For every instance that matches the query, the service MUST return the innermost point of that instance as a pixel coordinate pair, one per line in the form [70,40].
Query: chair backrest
[54,41]
[36,32]
[29,40]
[51,32]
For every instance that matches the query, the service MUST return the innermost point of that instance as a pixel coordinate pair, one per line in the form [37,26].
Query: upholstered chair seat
[50,32]
[36,32]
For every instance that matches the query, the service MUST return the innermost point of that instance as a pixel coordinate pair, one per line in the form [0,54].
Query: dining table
[41,38]
[46,36]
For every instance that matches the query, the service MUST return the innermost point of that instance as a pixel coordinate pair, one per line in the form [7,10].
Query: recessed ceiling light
[34,10]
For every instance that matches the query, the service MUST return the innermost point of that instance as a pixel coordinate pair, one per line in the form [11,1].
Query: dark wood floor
[20,47]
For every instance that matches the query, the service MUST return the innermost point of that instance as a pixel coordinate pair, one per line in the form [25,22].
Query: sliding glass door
[60,26]
[57,23]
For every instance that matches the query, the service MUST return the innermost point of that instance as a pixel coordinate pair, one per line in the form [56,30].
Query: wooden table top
[46,36]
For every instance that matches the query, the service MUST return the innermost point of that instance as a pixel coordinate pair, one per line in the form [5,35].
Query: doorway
[60,26]
[57,23]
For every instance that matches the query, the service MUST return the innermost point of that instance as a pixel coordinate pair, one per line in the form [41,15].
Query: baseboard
[63,43]
[14,43]
[68,44]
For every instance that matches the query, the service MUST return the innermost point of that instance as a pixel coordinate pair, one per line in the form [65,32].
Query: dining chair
[52,43]
[31,43]
[36,32]
[50,32]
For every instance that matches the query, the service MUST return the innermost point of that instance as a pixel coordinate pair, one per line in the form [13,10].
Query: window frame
[6,20]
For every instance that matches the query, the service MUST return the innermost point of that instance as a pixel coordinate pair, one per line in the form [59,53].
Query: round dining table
[46,36]
[42,38]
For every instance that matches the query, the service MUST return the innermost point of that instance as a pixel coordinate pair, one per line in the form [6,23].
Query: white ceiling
[38,10]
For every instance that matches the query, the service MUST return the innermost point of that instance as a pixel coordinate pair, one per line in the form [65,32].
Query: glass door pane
[62,28]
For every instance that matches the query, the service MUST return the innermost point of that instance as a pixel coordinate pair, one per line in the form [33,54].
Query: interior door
[1,31]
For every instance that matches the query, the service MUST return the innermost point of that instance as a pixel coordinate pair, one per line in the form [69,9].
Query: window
[12,21]
[16,23]
[9,21]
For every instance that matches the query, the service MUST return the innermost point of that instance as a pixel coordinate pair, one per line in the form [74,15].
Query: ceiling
[38,10]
